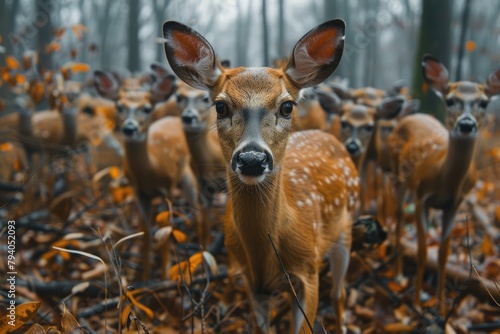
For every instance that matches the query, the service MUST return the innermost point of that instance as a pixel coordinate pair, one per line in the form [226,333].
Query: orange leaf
[125,314]
[395,287]
[470,46]
[425,87]
[163,218]
[7,147]
[114,172]
[12,63]
[17,165]
[179,236]
[487,247]
[80,67]
[149,313]
[24,312]
[36,92]
[60,32]
[53,47]
[121,193]
[20,79]
[493,267]
[78,30]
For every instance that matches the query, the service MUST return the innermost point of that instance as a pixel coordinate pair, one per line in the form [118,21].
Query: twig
[290,282]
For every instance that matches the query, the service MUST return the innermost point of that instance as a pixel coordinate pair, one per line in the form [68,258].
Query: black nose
[352,147]
[252,161]
[466,125]
[129,129]
[189,116]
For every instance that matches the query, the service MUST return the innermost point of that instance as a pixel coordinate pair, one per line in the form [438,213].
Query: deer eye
[483,104]
[120,108]
[286,109]
[206,99]
[221,109]
[450,102]
[179,98]
[147,109]
[344,124]
[368,128]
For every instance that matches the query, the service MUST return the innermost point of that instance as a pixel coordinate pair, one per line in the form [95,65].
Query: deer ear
[191,57]
[411,107]
[317,54]
[329,102]
[435,74]
[493,83]
[390,107]
[162,88]
[106,85]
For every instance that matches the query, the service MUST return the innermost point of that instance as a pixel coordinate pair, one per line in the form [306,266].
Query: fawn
[156,154]
[300,188]
[437,163]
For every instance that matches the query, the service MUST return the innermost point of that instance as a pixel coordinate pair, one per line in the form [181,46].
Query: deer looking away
[156,154]
[299,189]
[437,163]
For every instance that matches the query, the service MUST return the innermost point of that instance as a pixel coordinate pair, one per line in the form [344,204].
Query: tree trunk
[463,34]
[134,61]
[434,38]
[282,52]
[44,11]
[159,8]
[103,30]
[332,9]
[265,32]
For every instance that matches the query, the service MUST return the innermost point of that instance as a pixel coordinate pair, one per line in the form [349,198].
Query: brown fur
[437,163]
[305,203]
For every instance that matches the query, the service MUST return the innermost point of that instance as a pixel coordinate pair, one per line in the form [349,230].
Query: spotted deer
[156,154]
[436,163]
[299,188]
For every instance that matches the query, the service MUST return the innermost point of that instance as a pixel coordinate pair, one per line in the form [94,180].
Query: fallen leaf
[11,63]
[24,312]
[53,47]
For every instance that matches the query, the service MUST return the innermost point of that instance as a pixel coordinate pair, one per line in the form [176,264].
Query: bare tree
[434,38]
[159,7]
[463,33]
[281,29]
[44,11]
[265,32]
[134,59]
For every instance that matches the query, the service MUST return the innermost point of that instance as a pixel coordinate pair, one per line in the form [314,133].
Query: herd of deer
[289,147]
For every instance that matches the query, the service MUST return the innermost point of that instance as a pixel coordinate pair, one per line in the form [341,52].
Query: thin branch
[290,282]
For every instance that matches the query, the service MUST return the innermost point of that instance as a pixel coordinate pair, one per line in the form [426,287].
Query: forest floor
[91,281]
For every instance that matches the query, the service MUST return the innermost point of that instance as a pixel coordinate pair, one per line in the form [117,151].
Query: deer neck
[197,142]
[25,122]
[456,166]
[137,158]
[257,210]
[70,127]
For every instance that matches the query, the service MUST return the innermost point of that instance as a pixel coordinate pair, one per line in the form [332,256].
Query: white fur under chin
[251,180]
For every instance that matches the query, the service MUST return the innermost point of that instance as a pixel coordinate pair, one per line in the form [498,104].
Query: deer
[298,189]
[436,162]
[156,155]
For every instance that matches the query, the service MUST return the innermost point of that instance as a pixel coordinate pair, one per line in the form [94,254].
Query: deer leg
[421,213]
[189,185]
[307,295]
[448,220]
[400,191]
[339,262]
[145,209]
